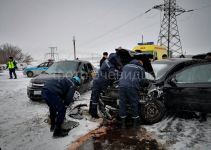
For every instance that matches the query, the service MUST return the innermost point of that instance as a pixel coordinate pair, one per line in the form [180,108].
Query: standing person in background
[182,56]
[150,57]
[105,56]
[164,56]
[12,66]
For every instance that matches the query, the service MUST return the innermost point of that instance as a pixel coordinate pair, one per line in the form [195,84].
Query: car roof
[171,60]
[82,61]
[186,61]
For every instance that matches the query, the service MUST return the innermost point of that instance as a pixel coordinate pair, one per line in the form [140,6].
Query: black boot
[135,122]
[10,78]
[123,123]
[15,78]
[52,126]
[90,107]
[58,132]
[94,112]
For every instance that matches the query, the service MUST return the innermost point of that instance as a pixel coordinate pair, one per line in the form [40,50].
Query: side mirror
[173,82]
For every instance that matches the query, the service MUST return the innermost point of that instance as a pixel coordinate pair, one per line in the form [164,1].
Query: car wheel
[152,112]
[29,74]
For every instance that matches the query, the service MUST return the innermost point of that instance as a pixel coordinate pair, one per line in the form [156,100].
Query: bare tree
[27,58]
[8,50]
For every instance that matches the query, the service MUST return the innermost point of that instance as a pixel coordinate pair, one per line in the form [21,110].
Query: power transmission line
[152,16]
[122,36]
[194,10]
[114,29]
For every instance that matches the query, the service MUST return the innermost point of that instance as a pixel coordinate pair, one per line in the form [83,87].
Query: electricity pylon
[169,33]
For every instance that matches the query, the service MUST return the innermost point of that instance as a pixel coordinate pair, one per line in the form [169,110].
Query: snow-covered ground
[182,134]
[22,123]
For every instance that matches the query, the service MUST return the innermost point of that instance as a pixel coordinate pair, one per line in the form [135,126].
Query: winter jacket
[108,71]
[133,75]
[64,87]
[102,60]
[11,64]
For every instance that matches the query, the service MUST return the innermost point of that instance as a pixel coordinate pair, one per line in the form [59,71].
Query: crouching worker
[58,93]
[132,78]
[107,72]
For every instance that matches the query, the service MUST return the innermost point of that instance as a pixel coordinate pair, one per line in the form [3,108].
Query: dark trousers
[96,90]
[12,71]
[130,94]
[203,115]
[56,105]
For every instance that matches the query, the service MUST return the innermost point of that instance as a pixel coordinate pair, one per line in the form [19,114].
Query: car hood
[127,55]
[43,78]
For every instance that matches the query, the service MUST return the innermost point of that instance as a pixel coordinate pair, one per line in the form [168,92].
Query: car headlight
[29,84]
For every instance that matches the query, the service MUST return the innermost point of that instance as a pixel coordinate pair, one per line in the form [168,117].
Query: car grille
[38,84]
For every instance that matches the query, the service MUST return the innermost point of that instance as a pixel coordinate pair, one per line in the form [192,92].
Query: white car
[1,69]
[21,66]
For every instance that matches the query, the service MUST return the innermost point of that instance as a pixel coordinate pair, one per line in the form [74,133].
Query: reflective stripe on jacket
[11,64]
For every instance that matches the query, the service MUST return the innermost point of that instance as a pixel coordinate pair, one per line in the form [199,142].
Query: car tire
[29,74]
[152,112]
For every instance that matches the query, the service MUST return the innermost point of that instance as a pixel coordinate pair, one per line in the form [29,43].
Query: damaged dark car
[173,84]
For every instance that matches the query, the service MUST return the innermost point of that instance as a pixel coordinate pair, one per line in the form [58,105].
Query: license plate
[37,92]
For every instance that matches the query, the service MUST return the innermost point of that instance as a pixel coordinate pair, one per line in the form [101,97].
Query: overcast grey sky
[36,25]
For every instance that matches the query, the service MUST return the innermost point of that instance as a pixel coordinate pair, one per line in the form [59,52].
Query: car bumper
[34,92]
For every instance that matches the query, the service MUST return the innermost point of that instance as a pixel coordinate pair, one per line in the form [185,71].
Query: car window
[147,52]
[160,69]
[84,68]
[63,68]
[200,73]
[155,56]
[43,65]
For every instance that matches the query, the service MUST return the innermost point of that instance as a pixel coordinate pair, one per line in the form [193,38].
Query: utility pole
[74,48]
[169,32]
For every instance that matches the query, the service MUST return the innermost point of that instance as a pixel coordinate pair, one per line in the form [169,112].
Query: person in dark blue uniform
[132,78]
[58,93]
[107,72]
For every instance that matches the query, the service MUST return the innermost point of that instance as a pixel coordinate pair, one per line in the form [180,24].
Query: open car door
[125,56]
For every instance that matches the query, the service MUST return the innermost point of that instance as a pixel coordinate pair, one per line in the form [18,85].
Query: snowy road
[22,121]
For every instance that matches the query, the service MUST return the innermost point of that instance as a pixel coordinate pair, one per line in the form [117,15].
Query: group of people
[58,93]
[128,85]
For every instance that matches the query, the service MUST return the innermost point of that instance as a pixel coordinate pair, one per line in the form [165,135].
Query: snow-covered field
[22,123]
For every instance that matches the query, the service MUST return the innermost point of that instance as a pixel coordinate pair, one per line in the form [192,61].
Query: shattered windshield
[160,69]
[62,68]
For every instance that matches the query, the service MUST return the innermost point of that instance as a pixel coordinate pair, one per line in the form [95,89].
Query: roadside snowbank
[22,120]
